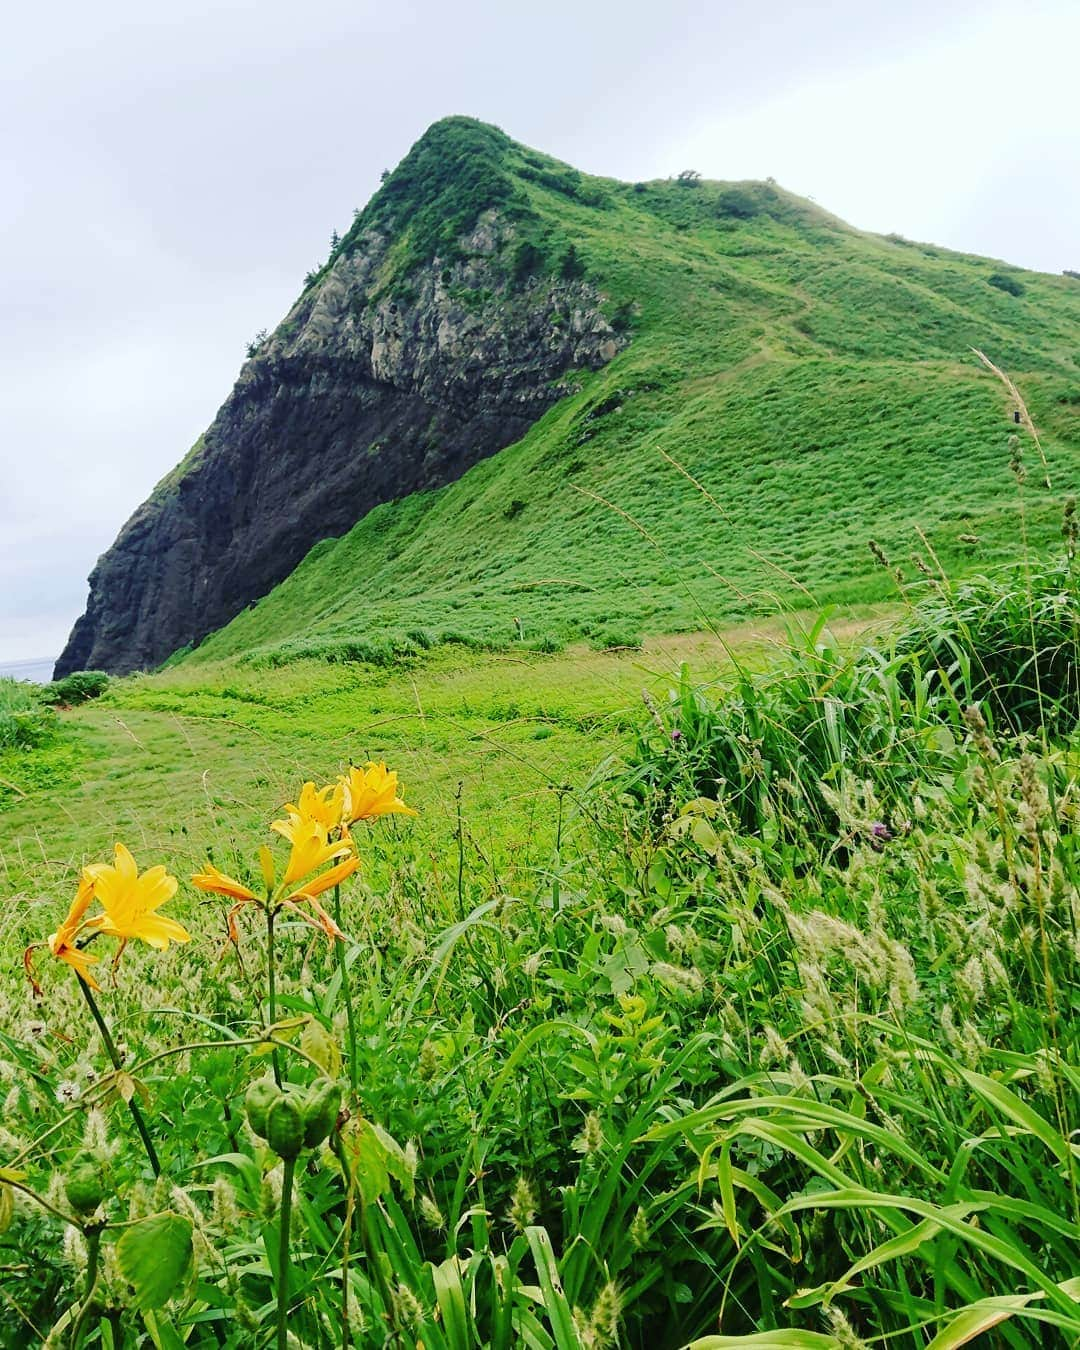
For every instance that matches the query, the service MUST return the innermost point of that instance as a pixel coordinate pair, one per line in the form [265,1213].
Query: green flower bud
[84,1184]
[261,1095]
[321,1106]
[285,1126]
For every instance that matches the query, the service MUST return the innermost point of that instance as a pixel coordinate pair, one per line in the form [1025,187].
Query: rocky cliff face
[361,396]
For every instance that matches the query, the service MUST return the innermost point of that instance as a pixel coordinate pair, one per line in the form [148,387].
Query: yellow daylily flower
[372,792]
[326,880]
[213,879]
[62,943]
[131,901]
[310,847]
[321,805]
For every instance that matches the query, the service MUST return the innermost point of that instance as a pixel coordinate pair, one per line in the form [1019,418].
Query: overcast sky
[168,173]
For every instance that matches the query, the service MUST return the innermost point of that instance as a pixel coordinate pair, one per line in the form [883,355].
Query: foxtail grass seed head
[523,1205]
[591,1138]
[880,556]
[980,734]
[96,1132]
[842,1331]
[431,1214]
[408,1311]
[774,1048]
[639,1230]
[225,1211]
[74,1249]
[606,1315]
[427,1063]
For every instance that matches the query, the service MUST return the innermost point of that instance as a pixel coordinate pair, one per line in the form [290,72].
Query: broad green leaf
[901,1245]
[1009,1104]
[554,1300]
[154,1257]
[366,1156]
[317,1042]
[768,1340]
[451,1300]
[987,1313]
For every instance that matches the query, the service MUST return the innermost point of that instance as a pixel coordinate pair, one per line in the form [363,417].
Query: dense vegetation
[773,1026]
[741,1009]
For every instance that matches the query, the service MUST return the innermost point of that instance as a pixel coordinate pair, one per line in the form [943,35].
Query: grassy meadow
[725,1011]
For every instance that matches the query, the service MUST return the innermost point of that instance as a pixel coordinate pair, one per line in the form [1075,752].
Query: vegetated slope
[817,381]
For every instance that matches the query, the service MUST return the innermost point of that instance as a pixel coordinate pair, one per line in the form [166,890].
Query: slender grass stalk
[346,992]
[350,1206]
[375,1266]
[111,1051]
[93,1253]
[282,1336]
[271,988]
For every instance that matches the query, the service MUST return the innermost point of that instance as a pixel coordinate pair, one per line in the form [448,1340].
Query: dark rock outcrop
[360,396]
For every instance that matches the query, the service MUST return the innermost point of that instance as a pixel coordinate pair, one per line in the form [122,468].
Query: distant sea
[37,672]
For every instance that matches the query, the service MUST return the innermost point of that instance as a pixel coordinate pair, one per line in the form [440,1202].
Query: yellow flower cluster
[316,827]
[129,904]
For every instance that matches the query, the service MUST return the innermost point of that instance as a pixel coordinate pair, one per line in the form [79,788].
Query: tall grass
[24,722]
[777,1045]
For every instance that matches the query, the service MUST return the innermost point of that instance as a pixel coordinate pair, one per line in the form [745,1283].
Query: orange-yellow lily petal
[321,919]
[130,901]
[372,792]
[321,805]
[336,874]
[62,942]
[310,847]
[212,879]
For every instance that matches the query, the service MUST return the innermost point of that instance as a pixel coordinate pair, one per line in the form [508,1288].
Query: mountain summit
[490,299]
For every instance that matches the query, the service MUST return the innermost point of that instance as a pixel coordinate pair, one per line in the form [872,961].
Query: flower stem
[271,988]
[111,1051]
[93,1248]
[346,991]
[289,1165]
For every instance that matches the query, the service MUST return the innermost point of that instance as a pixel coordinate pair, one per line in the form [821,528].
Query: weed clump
[79,687]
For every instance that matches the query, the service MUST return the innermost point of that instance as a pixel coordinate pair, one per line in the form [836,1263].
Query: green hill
[816,381]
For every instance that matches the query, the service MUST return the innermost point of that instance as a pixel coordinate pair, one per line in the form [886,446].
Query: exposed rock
[359,397]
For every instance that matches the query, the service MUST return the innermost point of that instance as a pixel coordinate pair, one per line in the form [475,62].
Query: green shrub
[79,687]
[571,266]
[1010,642]
[615,639]
[529,259]
[547,643]
[1005,283]
[24,722]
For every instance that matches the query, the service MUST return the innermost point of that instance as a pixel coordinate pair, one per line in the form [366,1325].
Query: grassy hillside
[816,381]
